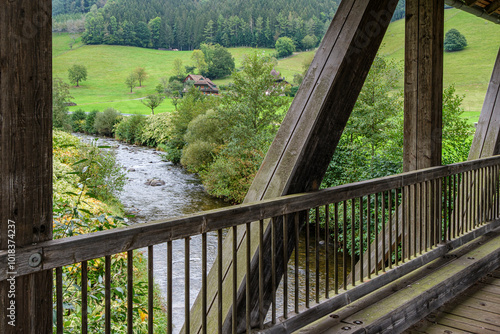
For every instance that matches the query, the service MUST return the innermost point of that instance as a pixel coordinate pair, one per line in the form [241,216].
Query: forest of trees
[184,25]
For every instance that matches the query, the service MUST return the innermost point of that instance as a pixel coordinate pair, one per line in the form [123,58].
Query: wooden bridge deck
[477,310]
[471,272]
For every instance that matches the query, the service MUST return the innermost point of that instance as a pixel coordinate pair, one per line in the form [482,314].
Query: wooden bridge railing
[426,213]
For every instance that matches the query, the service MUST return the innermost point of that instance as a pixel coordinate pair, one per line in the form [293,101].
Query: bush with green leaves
[130,129]
[89,122]
[285,47]
[454,41]
[105,121]
[78,118]
[60,99]
[156,129]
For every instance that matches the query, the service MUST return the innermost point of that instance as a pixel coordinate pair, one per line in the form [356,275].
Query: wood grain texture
[26,153]
[487,136]
[423,84]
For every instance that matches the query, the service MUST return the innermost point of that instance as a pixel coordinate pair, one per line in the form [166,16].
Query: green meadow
[108,66]
[470,69]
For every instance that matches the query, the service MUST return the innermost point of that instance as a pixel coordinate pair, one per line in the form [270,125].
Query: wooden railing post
[25,160]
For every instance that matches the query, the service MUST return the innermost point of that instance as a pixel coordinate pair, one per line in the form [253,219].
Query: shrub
[197,155]
[78,120]
[89,122]
[104,122]
[454,41]
[130,129]
[156,129]
[284,47]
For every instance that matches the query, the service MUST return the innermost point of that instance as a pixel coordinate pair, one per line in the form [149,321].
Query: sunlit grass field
[108,66]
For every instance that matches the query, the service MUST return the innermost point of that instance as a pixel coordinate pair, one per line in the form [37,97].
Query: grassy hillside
[470,69]
[108,66]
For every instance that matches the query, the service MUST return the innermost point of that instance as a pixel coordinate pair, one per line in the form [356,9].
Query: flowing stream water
[181,194]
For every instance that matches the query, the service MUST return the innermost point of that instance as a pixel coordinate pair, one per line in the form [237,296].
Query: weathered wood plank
[25,157]
[471,325]
[85,247]
[423,84]
[397,312]
[487,135]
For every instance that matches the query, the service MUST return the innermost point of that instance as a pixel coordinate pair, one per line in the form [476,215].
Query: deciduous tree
[152,101]
[131,81]
[77,73]
[141,75]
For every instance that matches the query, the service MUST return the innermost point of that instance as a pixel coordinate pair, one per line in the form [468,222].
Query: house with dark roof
[205,85]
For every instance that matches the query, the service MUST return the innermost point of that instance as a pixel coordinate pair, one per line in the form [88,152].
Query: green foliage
[60,99]
[454,41]
[77,73]
[156,129]
[284,47]
[199,60]
[457,132]
[192,105]
[309,42]
[371,145]
[141,75]
[130,129]
[78,119]
[152,101]
[226,145]
[220,62]
[131,81]
[89,122]
[105,121]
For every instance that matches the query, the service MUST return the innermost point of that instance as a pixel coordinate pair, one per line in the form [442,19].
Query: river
[181,194]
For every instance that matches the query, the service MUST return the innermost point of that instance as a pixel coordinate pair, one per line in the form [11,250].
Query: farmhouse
[205,85]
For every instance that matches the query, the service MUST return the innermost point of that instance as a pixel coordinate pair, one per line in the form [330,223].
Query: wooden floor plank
[480,304]
[470,325]
[472,313]
[440,329]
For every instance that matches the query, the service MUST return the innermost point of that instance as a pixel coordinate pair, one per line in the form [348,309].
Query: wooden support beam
[306,141]
[487,137]
[25,159]
[423,84]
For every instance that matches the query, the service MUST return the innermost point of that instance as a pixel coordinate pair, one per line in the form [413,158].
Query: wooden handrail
[67,251]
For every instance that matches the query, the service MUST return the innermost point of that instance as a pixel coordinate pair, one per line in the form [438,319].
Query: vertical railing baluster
[150,290]
[383,231]
[415,220]
[285,271]
[273,269]
[450,206]
[261,275]
[248,257]
[396,241]
[361,239]
[468,192]
[404,212]
[170,290]
[336,249]
[390,248]
[235,281]
[455,206]
[84,297]
[353,243]
[219,278]
[427,207]
[496,189]
[344,245]
[476,199]
[368,236]
[130,292]
[296,262]
[376,234]
[107,294]
[462,210]
[327,246]
[445,209]
[421,215]
[307,258]
[59,300]
[316,257]
[187,286]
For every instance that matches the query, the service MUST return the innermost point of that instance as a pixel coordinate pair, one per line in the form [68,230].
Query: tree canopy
[454,41]
[77,73]
[220,62]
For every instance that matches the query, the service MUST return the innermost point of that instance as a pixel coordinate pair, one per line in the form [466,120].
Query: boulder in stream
[155,182]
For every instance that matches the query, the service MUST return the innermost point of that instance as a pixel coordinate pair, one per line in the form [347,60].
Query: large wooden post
[423,84]
[25,159]
[487,137]
[423,100]
[304,145]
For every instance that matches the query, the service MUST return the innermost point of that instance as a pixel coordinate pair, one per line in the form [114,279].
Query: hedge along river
[159,190]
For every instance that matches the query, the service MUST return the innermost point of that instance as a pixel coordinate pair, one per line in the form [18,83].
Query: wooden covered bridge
[427,234]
